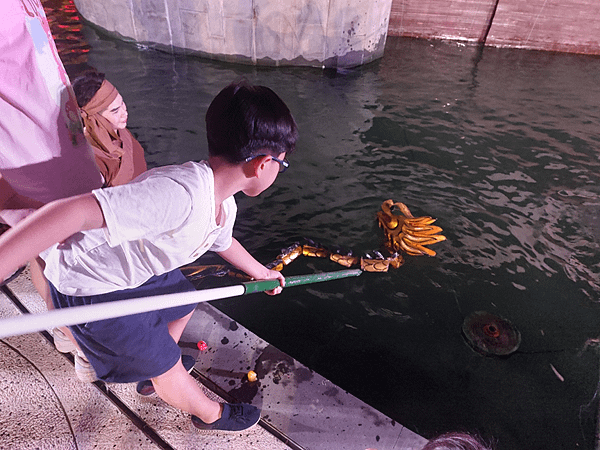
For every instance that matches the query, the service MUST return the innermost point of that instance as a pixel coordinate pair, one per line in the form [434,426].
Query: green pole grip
[266,285]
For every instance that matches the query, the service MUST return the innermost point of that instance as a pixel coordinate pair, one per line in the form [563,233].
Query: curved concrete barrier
[319,33]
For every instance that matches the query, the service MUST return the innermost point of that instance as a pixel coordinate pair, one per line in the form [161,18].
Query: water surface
[500,145]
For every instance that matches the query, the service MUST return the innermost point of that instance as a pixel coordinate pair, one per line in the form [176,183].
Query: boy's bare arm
[237,255]
[50,224]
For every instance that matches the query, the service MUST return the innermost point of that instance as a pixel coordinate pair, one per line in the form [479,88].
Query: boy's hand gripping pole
[266,285]
[30,323]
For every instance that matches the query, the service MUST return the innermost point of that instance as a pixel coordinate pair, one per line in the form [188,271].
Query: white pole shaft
[30,323]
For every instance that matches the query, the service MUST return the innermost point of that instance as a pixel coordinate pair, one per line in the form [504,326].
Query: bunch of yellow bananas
[408,233]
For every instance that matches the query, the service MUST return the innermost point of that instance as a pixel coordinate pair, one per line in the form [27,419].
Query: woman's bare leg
[36,267]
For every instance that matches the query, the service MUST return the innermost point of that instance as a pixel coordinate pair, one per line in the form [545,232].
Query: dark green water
[501,146]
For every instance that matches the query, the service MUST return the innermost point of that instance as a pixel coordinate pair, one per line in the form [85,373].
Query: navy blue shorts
[131,348]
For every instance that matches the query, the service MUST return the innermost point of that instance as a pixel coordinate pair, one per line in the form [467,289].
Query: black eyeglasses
[283,163]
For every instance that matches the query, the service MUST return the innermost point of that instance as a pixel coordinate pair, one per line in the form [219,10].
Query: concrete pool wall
[342,33]
[565,26]
[320,33]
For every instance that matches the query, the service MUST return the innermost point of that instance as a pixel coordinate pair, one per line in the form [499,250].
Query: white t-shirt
[160,221]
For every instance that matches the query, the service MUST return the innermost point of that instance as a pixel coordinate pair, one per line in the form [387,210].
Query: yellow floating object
[252,376]
[374,265]
[292,253]
[406,232]
[344,260]
[316,252]
[402,233]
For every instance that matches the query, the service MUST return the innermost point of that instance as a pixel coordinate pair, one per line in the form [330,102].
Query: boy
[128,241]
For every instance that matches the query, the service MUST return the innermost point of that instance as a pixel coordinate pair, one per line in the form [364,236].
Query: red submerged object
[489,334]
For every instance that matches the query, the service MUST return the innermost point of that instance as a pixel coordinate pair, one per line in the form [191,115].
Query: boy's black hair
[86,86]
[245,120]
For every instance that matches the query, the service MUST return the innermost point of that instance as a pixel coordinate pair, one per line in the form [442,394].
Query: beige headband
[101,99]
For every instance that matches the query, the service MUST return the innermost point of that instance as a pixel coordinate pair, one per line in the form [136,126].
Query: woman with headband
[119,156]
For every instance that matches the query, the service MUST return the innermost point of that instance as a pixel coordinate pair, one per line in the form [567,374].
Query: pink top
[43,152]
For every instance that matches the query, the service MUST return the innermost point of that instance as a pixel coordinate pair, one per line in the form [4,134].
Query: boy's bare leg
[177,326]
[36,267]
[179,389]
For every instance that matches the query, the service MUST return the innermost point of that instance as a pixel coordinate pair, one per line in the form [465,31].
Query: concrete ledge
[321,33]
[307,408]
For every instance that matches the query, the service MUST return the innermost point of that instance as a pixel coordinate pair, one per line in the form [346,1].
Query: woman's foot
[84,370]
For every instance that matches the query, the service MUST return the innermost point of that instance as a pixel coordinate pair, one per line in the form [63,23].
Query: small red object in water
[489,334]
[491,330]
[202,346]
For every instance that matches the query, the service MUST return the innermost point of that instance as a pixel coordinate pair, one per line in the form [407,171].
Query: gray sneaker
[62,343]
[84,370]
[235,417]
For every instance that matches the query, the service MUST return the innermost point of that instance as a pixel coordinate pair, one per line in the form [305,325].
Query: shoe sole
[201,431]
